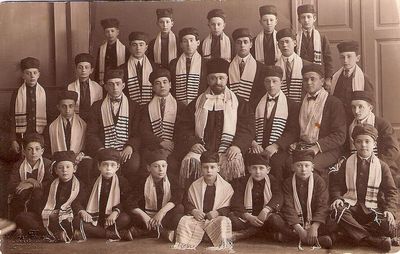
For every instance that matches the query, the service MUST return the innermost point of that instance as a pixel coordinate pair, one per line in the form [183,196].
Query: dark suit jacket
[200,49]
[150,51]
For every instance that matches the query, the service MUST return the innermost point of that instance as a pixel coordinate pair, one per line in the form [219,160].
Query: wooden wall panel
[388,12]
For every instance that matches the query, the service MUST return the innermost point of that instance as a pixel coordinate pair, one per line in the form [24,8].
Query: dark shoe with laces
[325,242]
[125,235]
[382,243]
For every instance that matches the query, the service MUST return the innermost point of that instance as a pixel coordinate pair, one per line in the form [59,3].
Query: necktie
[68,134]
[347,73]
[288,71]
[188,63]
[215,47]
[139,71]
[308,34]
[85,96]
[272,99]
[312,98]
[162,107]
[241,67]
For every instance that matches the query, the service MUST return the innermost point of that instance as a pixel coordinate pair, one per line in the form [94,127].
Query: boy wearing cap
[216,121]
[277,124]
[114,123]
[88,90]
[164,47]
[364,196]
[311,44]
[305,206]
[266,48]
[217,44]
[206,204]
[349,77]
[29,177]
[28,106]
[245,73]
[188,71]
[112,52]
[105,216]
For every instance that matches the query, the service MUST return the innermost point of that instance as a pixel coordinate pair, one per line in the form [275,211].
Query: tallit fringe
[183,246]
[190,166]
[231,169]
[225,245]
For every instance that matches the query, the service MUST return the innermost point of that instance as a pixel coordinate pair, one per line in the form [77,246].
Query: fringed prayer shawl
[113,198]
[187,85]
[141,96]
[317,45]
[96,92]
[259,47]
[171,48]
[370,119]
[115,134]
[248,197]
[225,47]
[65,212]
[294,89]
[358,81]
[57,135]
[150,195]
[310,117]
[305,222]
[102,56]
[25,168]
[21,123]
[374,181]
[242,85]
[278,122]
[163,128]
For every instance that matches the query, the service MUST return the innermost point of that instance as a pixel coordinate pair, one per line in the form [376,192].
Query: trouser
[279,167]
[274,223]
[87,171]
[130,169]
[28,200]
[170,220]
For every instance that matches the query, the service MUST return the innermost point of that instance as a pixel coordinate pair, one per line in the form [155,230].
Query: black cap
[108,154]
[84,57]
[114,73]
[155,155]
[138,36]
[313,67]
[216,13]
[348,46]
[209,157]
[63,156]
[273,71]
[256,159]
[285,32]
[67,95]
[241,32]
[303,155]
[159,72]
[164,13]
[217,65]
[188,30]
[365,96]
[306,8]
[364,129]
[30,62]
[33,137]
[267,9]
[108,23]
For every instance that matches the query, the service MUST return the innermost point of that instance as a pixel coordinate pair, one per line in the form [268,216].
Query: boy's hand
[146,219]
[167,145]
[212,215]
[263,215]
[126,153]
[336,204]
[256,148]
[23,186]
[34,182]
[301,232]
[156,220]
[112,218]
[253,220]
[198,215]
[312,235]
[232,152]
[271,150]
[198,148]
[86,217]
[15,147]
[391,220]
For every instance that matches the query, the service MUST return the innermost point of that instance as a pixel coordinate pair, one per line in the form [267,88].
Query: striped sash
[187,85]
[242,85]
[293,90]
[144,95]
[163,128]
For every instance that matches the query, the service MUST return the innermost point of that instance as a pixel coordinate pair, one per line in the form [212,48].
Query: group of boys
[307,136]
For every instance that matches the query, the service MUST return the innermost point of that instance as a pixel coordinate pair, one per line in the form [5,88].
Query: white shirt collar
[291,58]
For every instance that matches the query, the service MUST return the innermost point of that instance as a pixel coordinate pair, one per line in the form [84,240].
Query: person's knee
[123,220]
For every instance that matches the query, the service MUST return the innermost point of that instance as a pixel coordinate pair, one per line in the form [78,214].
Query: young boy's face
[33,151]
[243,46]
[114,87]
[303,169]
[287,45]
[210,170]
[268,22]
[66,108]
[272,85]
[158,169]
[216,25]
[108,168]
[364,145]
[189,44]
[165,24]
[111,34]
[161,86]
[258,172]
[312,82]
[30,76]
[348,59]
[65,170]
[138,48]
[361,109]
[307,20]
[83,70]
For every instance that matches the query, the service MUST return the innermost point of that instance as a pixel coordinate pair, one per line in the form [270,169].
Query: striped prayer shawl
[95,90]
[370,119]
[248,197]
[358,81]
[21,122]
[102,57]
[259,47]
[278,122]
[225,47]
[374,181]
[150,195]
[172,48]
[305,222]
[115,134]
[144,95]
[242,85]
[163,128]
[187,85]
[25,168]
[317,45]
[293,90]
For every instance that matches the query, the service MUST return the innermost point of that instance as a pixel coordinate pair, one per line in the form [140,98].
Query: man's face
[189,44]
[268,22]
[272,85]
[365,145]
[210,170]
[216,25]
[161,86]
[111,34]
[108,168]
[30,76]
[258,172]
[361,109]
[83,70]
[303,169]
[307,20]
[217,82]
[158,169]
[114,87]
[349,59]
[243,46]
[66,108]
[312,82]
[165,24]
[138,48]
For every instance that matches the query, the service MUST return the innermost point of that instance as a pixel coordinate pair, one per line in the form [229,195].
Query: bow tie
[117,100]
[272,99]
[312,98]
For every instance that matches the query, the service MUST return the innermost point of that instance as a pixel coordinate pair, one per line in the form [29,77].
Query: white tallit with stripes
[358,81]
[296,83]
[225,47]
[278,122]
[57,135]
[317,45]
[150,195]
[144,95]
[248,197]
[102,58]
[163,128]
[259,47]
[310,117]
[187,91]
[94,200]
[374,181]
[370,119]
[305,222]
[21,115]
[171,47]
[115,134]
[96,92]
[242,85]
[230,106]
[25,168]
